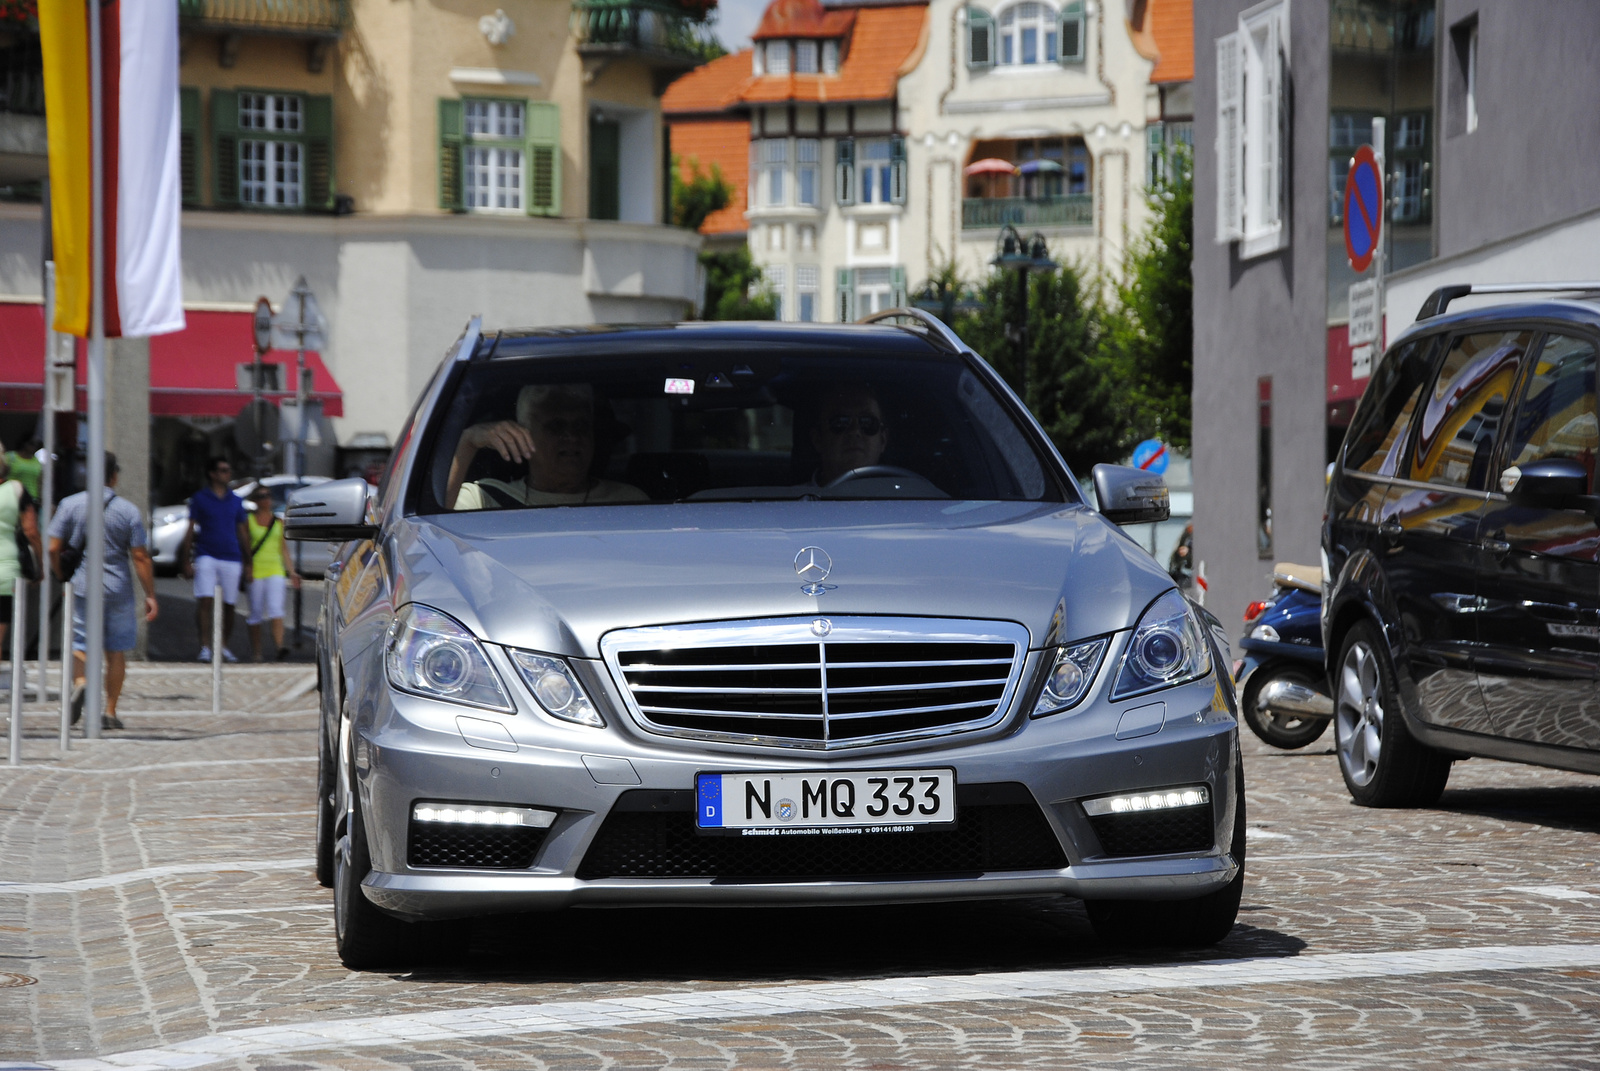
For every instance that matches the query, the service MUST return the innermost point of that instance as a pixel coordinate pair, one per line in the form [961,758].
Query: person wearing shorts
[126,543]
[215,551]
[270,569]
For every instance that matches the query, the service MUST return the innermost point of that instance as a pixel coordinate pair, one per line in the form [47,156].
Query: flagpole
[94,559]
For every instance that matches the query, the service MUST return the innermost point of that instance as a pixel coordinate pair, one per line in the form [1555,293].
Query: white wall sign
[1361,362]
[1363,312]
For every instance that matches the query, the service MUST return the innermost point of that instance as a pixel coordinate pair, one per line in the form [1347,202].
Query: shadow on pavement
[1572,807]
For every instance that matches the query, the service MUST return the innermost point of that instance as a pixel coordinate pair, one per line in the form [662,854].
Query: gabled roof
[884,45]
[803,18]
[724,143]
[1171,24]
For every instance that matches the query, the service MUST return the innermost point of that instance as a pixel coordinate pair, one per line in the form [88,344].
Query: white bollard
[216,649]
[66,664]
[19,676]
[42,689]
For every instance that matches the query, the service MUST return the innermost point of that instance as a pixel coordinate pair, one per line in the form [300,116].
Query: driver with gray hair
[553,436]
[849,433]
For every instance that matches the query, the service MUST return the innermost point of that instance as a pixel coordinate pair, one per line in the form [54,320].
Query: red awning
[193,372]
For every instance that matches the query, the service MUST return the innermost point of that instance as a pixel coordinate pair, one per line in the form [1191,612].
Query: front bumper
[408,749]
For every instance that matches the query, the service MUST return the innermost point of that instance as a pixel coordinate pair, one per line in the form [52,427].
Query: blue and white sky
[737,20]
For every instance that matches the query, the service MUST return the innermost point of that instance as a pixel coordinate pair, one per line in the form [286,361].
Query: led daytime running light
[466,814]
[1164,800]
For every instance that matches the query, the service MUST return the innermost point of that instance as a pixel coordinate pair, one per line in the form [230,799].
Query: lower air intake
[475,847]
[1164,832]
[650,834]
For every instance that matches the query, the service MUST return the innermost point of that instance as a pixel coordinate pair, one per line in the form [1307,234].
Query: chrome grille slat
[776,682]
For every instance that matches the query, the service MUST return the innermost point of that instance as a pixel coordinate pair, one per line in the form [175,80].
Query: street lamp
[1013,253]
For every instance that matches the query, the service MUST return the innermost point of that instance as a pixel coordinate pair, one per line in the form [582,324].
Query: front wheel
[366,937]
[1279,728]
[1196,923]
[1382,763]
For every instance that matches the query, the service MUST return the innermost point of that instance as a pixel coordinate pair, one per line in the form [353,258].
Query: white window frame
[272,173]
[807,284]
[830,57]
[874,176]
[778,57]
[776,279]
[1009,28]
[494,159]
[874,290]
[1252,138]
[808,171]
[772,168]
[805,57]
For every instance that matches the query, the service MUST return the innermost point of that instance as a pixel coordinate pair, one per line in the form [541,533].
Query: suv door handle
[1498,547]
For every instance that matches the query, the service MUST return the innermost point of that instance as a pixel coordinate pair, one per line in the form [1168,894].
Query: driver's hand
[505,437]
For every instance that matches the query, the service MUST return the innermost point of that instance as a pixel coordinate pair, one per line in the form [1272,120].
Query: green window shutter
[319,153]
[844,171]
[897,170]
[1074,28]
[846,278]
[897,279]
[225,148]
[188,144]
[544,158]
[980,39]
[450,155]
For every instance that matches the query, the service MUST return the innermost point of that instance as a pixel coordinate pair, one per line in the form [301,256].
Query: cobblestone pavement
[163,914]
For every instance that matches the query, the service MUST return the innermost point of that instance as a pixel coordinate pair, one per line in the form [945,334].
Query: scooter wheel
[1285,731]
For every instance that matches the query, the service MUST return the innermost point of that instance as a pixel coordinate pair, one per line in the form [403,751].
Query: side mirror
[1131,496]
[329,512]
[1555,483]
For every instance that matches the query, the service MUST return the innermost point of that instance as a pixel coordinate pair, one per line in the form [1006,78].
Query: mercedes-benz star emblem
[821,627]
[813,566]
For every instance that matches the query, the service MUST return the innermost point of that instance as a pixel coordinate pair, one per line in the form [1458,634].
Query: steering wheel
[867,472]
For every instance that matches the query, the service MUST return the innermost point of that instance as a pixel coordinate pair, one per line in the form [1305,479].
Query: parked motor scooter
[1281,678]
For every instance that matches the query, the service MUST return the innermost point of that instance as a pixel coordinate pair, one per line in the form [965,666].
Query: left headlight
[1168,647]
[432,654]
[1071,673]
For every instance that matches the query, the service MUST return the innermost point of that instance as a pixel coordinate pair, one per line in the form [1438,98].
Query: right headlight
[1168,647]
[555,687]
[432,654]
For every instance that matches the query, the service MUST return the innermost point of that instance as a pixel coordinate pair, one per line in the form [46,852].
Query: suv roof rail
[935,326]
[1441,298]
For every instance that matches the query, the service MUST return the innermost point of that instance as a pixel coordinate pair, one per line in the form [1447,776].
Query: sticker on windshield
[680,386]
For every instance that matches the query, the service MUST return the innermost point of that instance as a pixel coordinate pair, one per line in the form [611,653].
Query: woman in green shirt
[270,565]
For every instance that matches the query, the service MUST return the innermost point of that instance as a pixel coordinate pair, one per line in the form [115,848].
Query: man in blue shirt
[216,550]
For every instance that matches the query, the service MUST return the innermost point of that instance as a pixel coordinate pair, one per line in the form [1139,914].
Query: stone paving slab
[162,896]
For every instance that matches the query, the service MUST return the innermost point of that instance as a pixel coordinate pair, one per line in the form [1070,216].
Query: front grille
[480,847]
[1182,829]
[865,680]
[651,834]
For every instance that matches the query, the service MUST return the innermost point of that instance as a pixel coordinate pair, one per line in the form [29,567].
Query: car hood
[558,580]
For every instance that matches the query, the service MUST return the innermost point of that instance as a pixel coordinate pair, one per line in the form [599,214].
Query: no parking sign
[1363,208]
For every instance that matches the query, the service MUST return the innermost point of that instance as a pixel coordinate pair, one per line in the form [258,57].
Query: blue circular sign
[1152,455]
[1363,208]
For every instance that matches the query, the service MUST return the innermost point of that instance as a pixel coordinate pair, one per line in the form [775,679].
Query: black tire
[366,937]
[1196,923]
[1383,765]
[326,783]
[1284,731]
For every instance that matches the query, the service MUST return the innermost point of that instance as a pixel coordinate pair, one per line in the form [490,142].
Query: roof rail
[1441,298]
[927,319]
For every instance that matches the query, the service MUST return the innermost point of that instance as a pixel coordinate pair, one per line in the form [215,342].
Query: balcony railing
[654,28]
[1070,210]
[314,17]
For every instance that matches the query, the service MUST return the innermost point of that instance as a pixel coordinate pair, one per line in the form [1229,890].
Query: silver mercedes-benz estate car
[750,614]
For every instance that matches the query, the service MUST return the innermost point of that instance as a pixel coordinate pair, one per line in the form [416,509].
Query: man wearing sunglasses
[849,432]
[216,550]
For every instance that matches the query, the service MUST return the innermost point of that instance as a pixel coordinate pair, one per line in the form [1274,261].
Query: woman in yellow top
[270,565]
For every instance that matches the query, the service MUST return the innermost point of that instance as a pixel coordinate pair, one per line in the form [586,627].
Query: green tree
[1073,383]
[702,194]
[735,289]
[1152,334]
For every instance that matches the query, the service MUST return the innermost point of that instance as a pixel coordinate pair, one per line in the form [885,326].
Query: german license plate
[801,804]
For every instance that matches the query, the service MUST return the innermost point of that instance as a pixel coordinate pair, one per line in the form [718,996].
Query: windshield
[738,426]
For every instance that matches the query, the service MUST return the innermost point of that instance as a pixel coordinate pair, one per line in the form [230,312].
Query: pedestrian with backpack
[127,553]
[270,570]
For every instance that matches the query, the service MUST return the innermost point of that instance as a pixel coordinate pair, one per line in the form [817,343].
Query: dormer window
[830,57]
[805,57]
[777,57]
[1026,34]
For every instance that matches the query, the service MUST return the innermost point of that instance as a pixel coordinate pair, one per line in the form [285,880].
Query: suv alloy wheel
[1382,763]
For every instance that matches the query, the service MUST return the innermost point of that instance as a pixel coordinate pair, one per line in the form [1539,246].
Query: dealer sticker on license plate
[854,801]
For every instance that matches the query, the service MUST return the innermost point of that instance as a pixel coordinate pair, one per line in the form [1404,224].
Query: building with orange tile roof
[805,125]
[1163,33]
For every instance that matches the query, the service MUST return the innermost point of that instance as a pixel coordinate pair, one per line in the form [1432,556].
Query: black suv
[1461,550]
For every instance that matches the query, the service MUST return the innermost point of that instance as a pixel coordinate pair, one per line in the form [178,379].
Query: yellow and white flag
[143,193]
